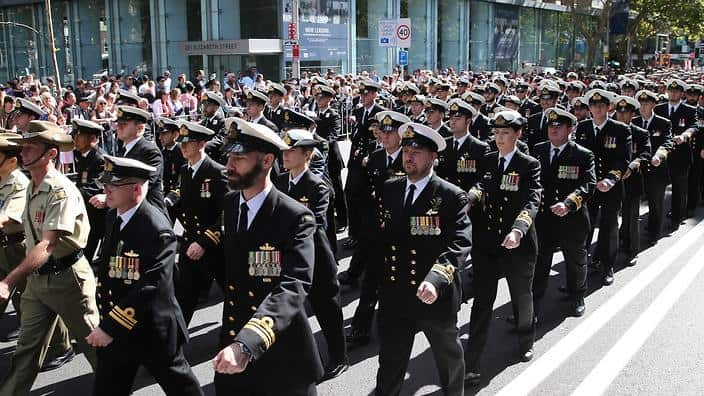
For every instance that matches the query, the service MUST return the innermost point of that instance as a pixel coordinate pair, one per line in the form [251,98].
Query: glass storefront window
[565,41]
[505,42]
[450,34]
[420,52]
[135,36]
[529,35]
[179,16]
[370,56]
[548,40]
[481,35]
[90,40]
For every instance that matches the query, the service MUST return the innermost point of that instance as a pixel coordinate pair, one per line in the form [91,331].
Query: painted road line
[616,359]
[542,367]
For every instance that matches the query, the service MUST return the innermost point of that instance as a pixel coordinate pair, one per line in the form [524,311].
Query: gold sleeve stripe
[264,327]
[661,152]
[576,199]
[260,333]
[525,217]
[121,321]
[616,173]
[447,271]
[476,192]
[127,314]
[214,236]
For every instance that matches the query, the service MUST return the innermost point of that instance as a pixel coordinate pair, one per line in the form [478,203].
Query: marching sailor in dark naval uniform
[426,240]
[270,252]
[302,185]
[610,141]
[198,206]
[509,195]
[656,171]
[568,180]
[140,321]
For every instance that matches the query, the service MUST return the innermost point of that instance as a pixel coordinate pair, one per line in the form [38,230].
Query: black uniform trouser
[397,334]
[630,229]
[192,278]
[354,195]
[331,231]
[324,298]
[680,187]
[570,233]
[369,293]
[118,364]
[605,206]
[694,194]
[340,200]
[655,193]
[519,270]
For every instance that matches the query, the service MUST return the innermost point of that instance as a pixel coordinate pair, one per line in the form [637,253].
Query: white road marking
[542,367]
[633,339]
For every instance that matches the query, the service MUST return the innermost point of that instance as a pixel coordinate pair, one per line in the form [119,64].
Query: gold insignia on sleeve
[616,173]
[213,236]
[125,317]
[661,153]
[576,199]
[264,328]
[525,217]
[447,271]
[476,193]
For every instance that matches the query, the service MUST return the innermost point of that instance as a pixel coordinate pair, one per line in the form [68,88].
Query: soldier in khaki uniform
[13,185]
[59,279]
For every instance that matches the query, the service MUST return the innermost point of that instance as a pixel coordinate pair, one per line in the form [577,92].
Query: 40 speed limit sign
[403,32]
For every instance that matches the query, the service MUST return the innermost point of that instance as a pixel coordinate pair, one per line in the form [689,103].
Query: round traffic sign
[403,32]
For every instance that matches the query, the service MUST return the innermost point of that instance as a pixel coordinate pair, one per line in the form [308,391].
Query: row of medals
[509,182]
[425,225]
[205,190]
[264,263]
[124,268]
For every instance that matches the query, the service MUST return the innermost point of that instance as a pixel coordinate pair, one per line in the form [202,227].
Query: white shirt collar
[459,141]
[508,157]
[394,155]
[196,166]
[255,203]
[128,146]
[600,126]
[296,179]
[256,120]
[674,107]
[127,216]
[560,148]
[420,185]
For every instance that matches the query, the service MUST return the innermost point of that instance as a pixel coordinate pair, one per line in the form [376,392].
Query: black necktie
[409,198]
[645,124]
[242,225]
[555,153]
[190,172]
[457,146]
[364,117]
[502,162]
[542,122]
[672,110]
[121,152]
[389,161]
[596,131]
[291,186]
[114,235]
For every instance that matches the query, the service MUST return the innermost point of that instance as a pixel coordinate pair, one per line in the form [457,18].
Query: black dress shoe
[563,289]
[578,308]
[608,278]
[334,371]
[58,361]
[527,356]
[346,279]
[356,339]
[340,229]
[631,260]
[11,335]
[472,378]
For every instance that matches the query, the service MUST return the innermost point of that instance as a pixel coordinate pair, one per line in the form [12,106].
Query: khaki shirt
[13,197]
[57,205]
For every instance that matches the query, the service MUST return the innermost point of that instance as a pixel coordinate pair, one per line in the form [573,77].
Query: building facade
[219,36]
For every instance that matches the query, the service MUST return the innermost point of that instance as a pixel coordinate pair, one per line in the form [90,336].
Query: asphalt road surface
[641,336]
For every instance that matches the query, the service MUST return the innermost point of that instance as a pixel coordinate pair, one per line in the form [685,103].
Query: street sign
[387,32]
[403,33]
[395,32]
[403,58]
